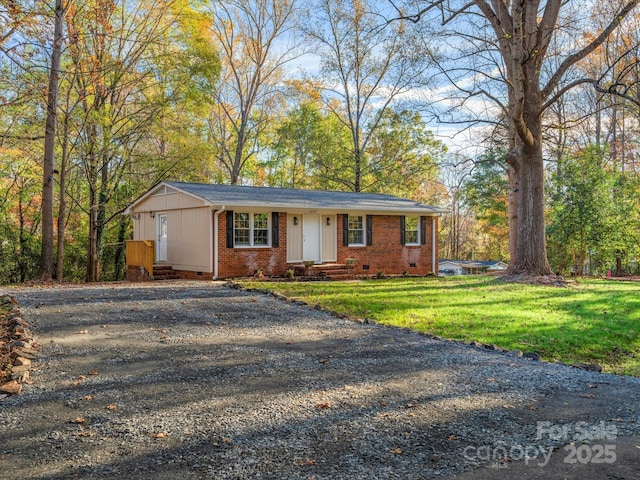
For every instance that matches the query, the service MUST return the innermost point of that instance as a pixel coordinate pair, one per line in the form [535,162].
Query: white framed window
[251,229]
[412,231]
[356,230]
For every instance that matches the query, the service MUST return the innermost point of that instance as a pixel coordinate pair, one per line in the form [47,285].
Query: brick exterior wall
[244,261]
[189,275]
[386,254]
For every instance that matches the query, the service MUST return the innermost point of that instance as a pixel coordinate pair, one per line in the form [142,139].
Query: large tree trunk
[62,205]
[531,250]
[120,250]
[513,213]
[92,260]
[46,255]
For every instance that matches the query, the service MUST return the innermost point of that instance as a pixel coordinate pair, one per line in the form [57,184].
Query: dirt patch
[196,380]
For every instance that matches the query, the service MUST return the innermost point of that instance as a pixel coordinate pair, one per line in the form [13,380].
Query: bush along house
[202,231]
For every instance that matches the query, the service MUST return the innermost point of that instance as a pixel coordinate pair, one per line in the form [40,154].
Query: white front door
[311,238]
[161,244]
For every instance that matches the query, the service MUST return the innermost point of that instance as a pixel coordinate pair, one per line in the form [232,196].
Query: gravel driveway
[195,380]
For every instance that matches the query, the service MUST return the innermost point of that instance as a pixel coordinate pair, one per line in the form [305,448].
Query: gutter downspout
[215,242]
[433,245]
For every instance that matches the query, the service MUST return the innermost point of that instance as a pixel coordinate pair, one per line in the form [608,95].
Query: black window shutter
[345,229]
[369,229]
[275,230]
[423,230]
[229,228]
[402,230]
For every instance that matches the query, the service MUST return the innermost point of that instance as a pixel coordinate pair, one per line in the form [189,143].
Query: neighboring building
[469,267]
[221,231]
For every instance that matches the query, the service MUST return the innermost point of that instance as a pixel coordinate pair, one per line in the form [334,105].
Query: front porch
[325,271]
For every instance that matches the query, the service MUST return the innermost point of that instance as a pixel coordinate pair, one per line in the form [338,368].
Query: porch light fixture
[152,215]
[295,220]
[328,220]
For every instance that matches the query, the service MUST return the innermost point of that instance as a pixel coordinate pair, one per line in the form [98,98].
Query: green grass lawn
[591,321]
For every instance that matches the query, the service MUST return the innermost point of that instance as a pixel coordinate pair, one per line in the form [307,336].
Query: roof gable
[164,189]
[235,196]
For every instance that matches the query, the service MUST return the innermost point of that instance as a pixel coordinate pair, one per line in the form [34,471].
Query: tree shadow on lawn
[575,324]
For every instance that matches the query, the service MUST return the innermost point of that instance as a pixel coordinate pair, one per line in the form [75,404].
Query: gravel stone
[196,380]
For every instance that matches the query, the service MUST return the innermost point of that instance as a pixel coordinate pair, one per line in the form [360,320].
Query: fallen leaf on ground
[384,404]
[78,420]
[111,407]
[87,397]
[80,377]
[588,395]
[411,405]
[93,372]
[83,332]
[307,463]
[324,361]
[160,435]
[452,437]
[84,433]
[322,406]
[396,451]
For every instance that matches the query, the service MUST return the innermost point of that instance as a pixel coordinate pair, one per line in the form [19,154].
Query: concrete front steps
[164,272]
[326,271]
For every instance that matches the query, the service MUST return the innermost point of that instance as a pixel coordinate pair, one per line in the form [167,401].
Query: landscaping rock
[12,387]
[532,356]
[21,376]
[22,361]
[592,367]
[24,352]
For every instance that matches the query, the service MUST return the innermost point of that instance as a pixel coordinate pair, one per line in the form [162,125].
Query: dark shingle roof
[246,196]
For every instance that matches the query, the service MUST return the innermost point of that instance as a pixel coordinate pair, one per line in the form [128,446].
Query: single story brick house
[221,231]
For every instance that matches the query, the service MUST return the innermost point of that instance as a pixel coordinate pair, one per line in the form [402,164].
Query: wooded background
[324,94]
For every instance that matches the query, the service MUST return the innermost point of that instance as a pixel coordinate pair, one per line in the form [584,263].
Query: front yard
[592,321]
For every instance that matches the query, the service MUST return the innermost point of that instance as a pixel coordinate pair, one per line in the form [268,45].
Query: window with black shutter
[275,229]
[229,228]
